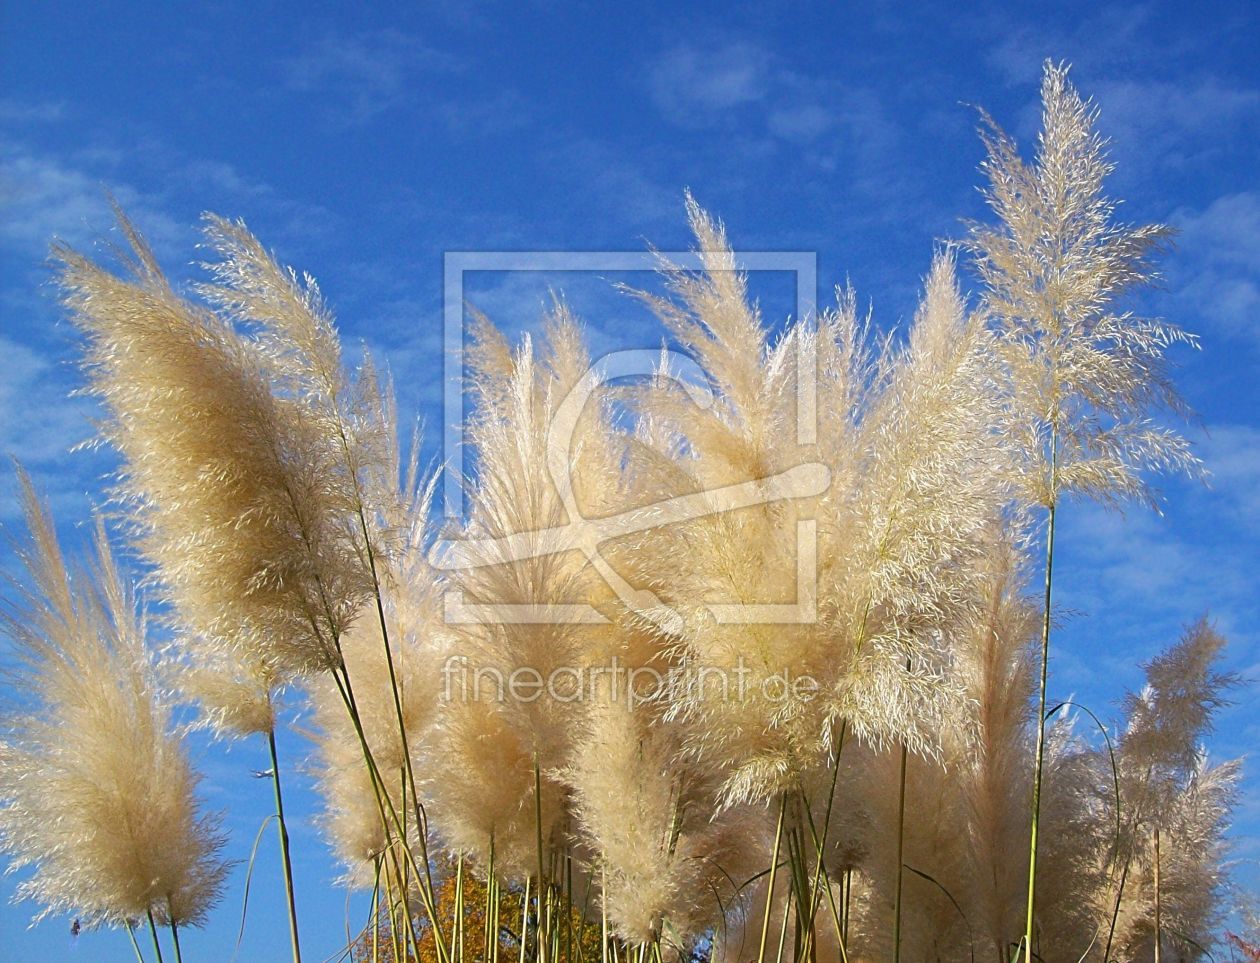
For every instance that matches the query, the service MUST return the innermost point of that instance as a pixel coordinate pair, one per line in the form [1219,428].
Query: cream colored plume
[100,806]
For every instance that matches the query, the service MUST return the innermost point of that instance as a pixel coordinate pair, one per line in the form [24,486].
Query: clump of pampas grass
[583,700]
[99,797]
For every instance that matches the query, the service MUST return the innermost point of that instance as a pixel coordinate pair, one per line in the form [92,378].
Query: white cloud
[1232,454]
[695,86]
[1162,124]
[41,112]
[44,197]
[362,76]
[1216,274]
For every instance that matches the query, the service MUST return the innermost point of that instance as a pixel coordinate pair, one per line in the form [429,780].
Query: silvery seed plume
[99,798]
[1194,869]
[1085,374]
[1071,878]
[236,487]
[1166,783]
[294,328]
[1168,721]
[899,521]
[482,792]
[925,500]
[991,770]
[530,444]
[666,861]
[728,555]
[965,820]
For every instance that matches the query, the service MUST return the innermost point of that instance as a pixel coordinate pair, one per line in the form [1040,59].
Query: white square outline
[803,264]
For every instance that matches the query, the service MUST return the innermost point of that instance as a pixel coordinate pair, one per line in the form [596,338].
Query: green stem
[284,845]
[388,813]
[603,909]
[157,946]
[820,844]
[131,935]
[179,957]
[543,931]
[774,865]
[1041,706]
[1159,928]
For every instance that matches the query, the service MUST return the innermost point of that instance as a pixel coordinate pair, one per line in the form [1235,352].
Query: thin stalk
[1159,928]
[131,934]
[157,946]
[457,915]
[524,918]
[774,866]
[498,913]
[1115,912]
[821,840]
[179,957]
[376,912]
[383,801]
[395,936]
[802,934]
[490,932]
[543,933]
[347,693]
[842,936]
[568,907]
[1041,702]
[848,894]
[787,907]
[901,853]
[421,821]
[603,909]
[1135,820]
[284,845]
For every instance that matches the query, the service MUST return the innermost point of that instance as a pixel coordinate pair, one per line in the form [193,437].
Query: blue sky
[362,146]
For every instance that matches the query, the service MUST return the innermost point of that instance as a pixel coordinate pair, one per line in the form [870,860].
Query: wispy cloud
[1162,103]
[48,194]
[698,87]
[1132,579]
[39,112]
[1216,274]
[1232,454]
[365,75]
[1161,125]
[770,112]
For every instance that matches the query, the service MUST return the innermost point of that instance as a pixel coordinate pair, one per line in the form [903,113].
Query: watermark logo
[585,535]
[614,682]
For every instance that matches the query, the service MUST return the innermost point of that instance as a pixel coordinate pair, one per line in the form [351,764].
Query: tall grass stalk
[283,832]
[1159,927]
[1040,751]
[401,857]
[774,868]
[179,956]
[131,935]
[153,932]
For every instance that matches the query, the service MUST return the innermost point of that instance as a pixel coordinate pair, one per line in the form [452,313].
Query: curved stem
[284,845]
